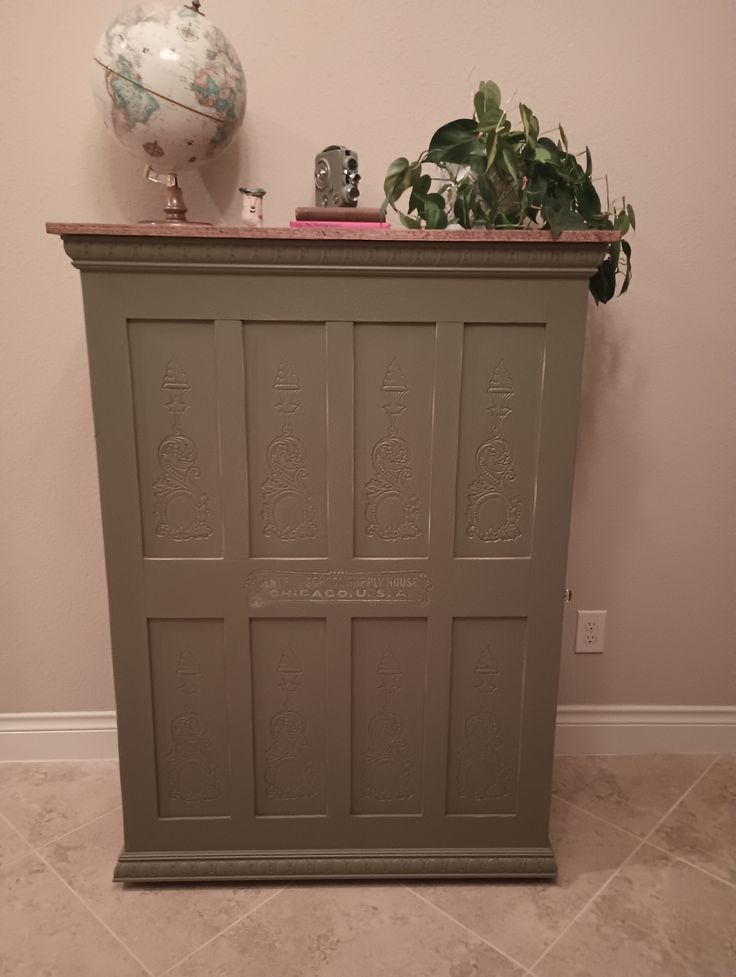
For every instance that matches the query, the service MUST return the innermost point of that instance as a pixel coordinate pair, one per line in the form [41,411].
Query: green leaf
[410,222]
[530,123]
[488,94]
[420,187]
[462,208]
[491,121]
[588,163]
[563,136]
[588,200]
[621,222]
[455,141]
[626,248]
[632,218]
[510,162]
[603,282]
[435,210]
[398,179]
[559,216]
[487,193]
[491,151]
[489,118]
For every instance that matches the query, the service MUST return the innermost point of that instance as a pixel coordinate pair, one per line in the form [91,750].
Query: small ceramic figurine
[253,206]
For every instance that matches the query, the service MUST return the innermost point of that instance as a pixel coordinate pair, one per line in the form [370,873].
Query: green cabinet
[335,474]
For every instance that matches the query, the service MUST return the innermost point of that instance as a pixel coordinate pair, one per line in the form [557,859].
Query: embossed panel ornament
[391,507]
[288,671]
[288,510]
[498,445]
[485,715]
[177,436]
[190,716]
[194,774]
[289,771]
[388,768]
[493,508]
[481,771]
[394,367]
[388,689]
[286,438]
[178,478]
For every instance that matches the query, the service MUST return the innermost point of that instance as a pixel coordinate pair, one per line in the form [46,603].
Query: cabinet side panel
[485,715]
[286,413]
[188,685]
[288,662]
[177,438]
[388,689]
[498,439]
[394,378]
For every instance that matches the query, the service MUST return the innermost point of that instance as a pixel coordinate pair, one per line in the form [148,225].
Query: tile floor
[647,888]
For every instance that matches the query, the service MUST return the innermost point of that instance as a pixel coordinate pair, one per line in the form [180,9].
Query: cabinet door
[336,523]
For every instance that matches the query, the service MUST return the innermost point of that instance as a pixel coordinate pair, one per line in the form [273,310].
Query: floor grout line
[52,841]
[28,848]
[679,801]
[223,931]
[86,824]
[653,844]
[478,936]
[685,861]
[598,817]
[92,913]
[623,864]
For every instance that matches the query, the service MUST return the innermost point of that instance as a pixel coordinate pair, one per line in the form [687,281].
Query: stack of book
[355,218]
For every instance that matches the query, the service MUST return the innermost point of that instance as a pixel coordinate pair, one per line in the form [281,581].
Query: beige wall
[649,85]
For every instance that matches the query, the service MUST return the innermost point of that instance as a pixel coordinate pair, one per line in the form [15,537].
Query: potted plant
[481,172]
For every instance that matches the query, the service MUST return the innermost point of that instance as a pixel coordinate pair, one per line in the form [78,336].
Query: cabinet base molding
[300,865]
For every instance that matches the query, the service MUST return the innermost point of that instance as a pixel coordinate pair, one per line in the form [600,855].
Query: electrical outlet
[591,632]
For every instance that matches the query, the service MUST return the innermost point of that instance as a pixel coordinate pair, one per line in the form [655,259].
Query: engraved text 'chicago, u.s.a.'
[337,587]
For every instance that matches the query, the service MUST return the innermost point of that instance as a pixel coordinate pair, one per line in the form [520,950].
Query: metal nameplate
[336,587]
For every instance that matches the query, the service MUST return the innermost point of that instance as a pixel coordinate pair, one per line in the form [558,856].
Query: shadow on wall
[612,377]
[120,193]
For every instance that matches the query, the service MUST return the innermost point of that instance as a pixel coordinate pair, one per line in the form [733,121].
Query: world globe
[170,86]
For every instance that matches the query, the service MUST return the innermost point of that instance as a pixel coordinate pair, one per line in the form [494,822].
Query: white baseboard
[58,736]
[580,730]
[645,729]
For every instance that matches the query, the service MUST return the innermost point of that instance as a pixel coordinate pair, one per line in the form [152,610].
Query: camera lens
[352,163]
[321,173]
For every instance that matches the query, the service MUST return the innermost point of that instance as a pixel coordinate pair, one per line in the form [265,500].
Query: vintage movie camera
[336,178]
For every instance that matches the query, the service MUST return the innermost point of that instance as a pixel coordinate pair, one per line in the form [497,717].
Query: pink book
[354,225]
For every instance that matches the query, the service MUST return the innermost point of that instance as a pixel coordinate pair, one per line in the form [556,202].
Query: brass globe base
[175,209]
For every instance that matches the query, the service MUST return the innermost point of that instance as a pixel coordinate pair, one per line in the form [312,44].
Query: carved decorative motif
[214,866]
[177,455]
[391,510]
[493,511]
[289,774]
[482,773]
[419,257]
[387,766]
[337,587]
[288,510]
[193,774]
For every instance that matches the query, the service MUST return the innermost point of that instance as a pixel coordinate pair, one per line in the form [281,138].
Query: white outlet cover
[591,633]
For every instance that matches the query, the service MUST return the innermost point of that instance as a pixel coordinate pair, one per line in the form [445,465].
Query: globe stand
[175,209]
